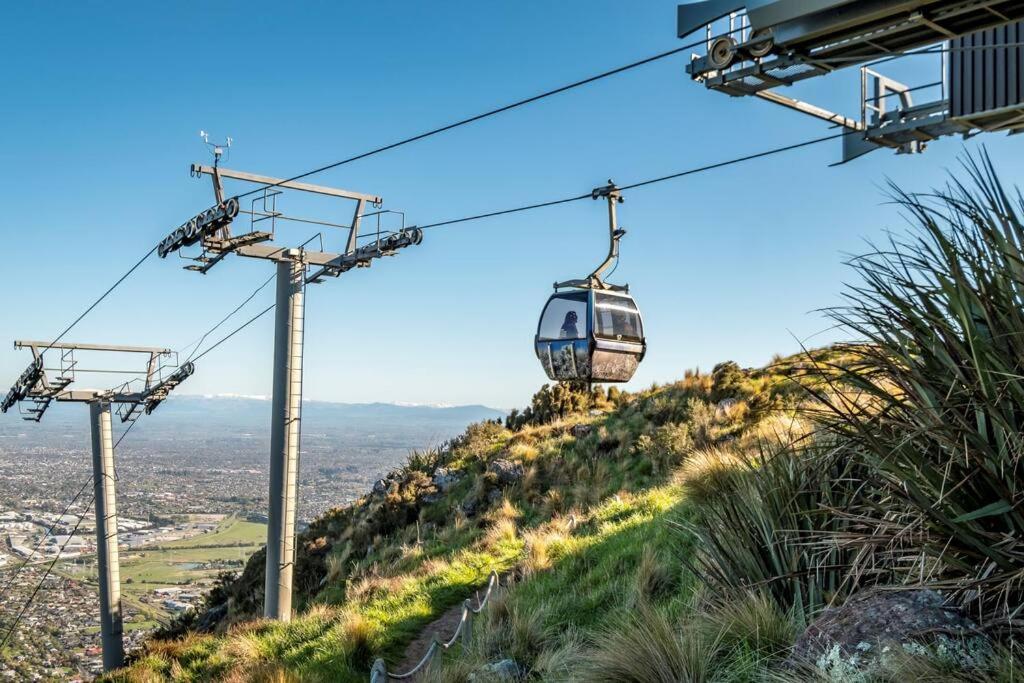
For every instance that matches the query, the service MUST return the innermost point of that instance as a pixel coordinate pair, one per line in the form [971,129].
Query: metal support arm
[615,233]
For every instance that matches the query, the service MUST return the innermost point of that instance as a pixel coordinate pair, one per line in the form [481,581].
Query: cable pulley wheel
[721,52]
[759,43]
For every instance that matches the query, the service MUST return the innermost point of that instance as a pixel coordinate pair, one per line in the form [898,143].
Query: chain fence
[380,674]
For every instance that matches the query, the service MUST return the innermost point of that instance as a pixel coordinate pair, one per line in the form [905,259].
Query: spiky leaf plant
[933,400]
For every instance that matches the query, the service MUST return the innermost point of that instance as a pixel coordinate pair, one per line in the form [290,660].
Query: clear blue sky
[101,107]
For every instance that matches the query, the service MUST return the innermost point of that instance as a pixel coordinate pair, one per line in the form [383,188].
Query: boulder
[725,404]
[380,487]
[506,671]
[506,471]
[870,624]
[582,430]
[469,506]
[444,479]
[211,617]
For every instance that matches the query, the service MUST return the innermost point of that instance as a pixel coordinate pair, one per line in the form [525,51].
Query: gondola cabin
[591,335]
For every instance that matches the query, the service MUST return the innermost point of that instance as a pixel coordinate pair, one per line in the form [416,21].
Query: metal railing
[380,674]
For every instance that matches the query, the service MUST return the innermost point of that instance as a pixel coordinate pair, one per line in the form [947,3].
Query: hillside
[847,514]
[540,504]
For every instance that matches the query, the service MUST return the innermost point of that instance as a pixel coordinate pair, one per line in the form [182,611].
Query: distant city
[192,495]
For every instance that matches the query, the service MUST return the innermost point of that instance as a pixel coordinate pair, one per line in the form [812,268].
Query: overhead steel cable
[566,88]
[199,342]
[99,300]
[643,183]
[484,115]
[737,160]
[588,195]
[46,575]
[49,569]
[238,329]
[502,212]
[42,539]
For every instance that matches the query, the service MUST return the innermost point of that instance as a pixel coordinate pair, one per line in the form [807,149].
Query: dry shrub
[506,629]
[645,647]
[656,576]
[752,620]
[246,647]
[540,543]
[501,531]
[262,672]
[704,471]
[173,649]
[553,503]
[768,523]
[337,565]
[525,453]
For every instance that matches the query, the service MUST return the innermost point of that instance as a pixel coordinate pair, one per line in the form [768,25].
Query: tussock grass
[762,521]
[647,647]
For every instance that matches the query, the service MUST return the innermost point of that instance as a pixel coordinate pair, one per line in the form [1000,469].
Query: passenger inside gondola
[569,329]
[565,317]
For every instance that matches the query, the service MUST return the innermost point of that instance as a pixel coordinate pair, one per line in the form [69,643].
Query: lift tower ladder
[211,232]
[40,385]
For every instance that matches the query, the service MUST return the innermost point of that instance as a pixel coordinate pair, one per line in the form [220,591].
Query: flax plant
[932,400]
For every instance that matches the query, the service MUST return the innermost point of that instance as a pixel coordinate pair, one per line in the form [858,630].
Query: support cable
[199,342]
[38,545]
[644,183]
[102,297]
[49,569]
[238,329]
[46,575]
[484,115]
[573,86]
[529,207]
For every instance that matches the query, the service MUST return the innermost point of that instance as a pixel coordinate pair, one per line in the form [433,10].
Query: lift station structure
[36,389]
[755,47]
[211,232]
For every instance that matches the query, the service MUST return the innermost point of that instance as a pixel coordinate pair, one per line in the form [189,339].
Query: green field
[181,563]
[232,531]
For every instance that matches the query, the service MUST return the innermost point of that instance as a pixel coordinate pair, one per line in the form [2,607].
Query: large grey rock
[444,479]
[725,404]
[431,497]
[506,471]
[211,617]
[582,430]
[505,671]
[380,487]
[859,634]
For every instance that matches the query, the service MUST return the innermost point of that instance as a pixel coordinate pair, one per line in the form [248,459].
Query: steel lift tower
[759,47]
[211,232]
[39,385]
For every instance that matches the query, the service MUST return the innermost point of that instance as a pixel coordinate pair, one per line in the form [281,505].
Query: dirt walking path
[444,626]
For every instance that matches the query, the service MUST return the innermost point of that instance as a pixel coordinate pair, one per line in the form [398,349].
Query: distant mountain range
[194,416]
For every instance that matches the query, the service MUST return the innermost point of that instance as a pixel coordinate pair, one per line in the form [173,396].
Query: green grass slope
[598,497]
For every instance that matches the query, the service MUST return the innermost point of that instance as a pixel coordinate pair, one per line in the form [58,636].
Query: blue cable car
[592,331]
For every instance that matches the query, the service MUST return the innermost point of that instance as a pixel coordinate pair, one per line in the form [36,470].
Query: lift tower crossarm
[290,184]
[35,345]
